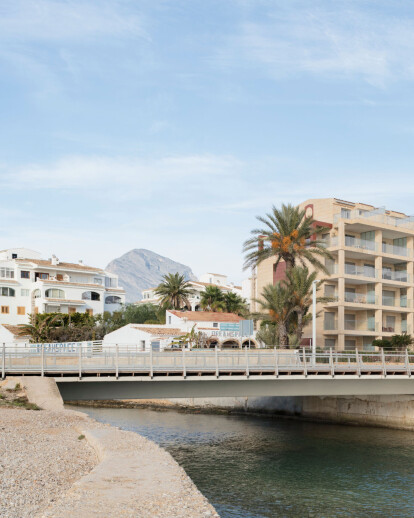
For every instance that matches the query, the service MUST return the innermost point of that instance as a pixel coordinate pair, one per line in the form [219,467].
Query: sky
[171,124]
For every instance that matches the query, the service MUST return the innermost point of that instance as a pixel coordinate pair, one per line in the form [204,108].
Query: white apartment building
[30,284]
[208,279]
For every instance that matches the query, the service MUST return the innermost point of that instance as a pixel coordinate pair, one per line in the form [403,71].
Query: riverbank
[377,411]
[60,463]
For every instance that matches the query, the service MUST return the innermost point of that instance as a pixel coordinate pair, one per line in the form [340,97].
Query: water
[254,467]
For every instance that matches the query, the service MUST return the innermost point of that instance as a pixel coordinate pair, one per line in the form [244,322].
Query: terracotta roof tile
[15,330]
[207,316]
[160,331]
[70,266]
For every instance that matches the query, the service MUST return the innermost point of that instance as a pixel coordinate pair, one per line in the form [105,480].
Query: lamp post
[314,284]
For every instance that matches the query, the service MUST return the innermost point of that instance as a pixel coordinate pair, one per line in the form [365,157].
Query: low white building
[225,330]
[208,279]
[10,334]
[143,337]
[30,284]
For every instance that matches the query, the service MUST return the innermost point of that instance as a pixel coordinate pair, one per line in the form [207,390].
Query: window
[59,277]
[350,268]
[21,310]
[25,275]
[329,290]
[7,273]
[112,299]
[41,276]
[345,213]
[5,310]
[71,311]
[14,256]
[24,293]
[350,344]
[330,342]
[37,294]
[97,280]
[369,270]
[215,324]
[169,320]
[90,295]
[89,312]
[388,298]
[7,292]
[54,293]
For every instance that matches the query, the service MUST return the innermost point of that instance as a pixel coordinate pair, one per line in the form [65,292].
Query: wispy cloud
[346,39]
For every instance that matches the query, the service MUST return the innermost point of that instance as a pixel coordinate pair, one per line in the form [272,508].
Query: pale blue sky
[169,125]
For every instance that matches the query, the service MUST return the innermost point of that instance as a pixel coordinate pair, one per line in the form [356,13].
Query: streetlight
[314,284]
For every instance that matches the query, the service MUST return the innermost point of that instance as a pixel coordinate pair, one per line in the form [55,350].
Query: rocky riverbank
[60,464]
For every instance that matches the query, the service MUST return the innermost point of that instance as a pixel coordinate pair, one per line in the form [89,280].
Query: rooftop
[207,316]
[159,331]
[15,330]
[68,266]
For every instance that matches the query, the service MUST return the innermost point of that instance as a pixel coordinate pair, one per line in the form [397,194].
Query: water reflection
[262,467]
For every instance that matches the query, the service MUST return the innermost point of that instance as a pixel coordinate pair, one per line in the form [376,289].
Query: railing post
[357,363]
[80,361]
[217,362]
[331,363]
[3,362]
[305,368]
[184,369]
[116,361]
[151,363]
[276,364]
[247,362]
[42,359]
[407,363]
[384,368]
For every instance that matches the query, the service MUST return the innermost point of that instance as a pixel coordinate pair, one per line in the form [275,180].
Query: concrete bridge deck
[123,372]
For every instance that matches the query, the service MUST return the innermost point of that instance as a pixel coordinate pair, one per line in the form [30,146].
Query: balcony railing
[396,303]
[378,216]
[362,271]
[399,276]
[360,325]
[395,250]
[360,298]
[362,244]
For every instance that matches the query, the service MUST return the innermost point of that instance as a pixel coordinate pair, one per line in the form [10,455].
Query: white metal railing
[84,360]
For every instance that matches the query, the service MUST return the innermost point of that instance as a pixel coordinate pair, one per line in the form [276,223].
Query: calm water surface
[261,467]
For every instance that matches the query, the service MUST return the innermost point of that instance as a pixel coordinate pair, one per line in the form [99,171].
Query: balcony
[395,250]
[361,244]
[399,276]
[396,303]
[360,325]
[360,298]
[377,217]
[361,271]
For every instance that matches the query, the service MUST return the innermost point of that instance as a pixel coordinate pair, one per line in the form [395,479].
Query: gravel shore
[40,458]
[60,464]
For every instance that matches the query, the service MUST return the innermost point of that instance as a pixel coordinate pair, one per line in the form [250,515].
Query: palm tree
[277,309]
[174,291]
[39,327]
[236,304]
[288,235]
[298,284]
[212,299]
[267,334]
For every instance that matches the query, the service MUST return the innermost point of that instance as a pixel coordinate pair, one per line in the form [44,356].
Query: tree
[396,343]
[288,235]
[234,303]
[195,339]
[174,291]
[277,309]
[298,283]
[212,299]
[39,327]
[268,334]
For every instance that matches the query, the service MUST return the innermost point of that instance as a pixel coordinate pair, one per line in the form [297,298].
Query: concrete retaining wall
[387,411]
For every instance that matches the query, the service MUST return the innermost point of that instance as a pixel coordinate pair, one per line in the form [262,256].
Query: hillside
[140,269]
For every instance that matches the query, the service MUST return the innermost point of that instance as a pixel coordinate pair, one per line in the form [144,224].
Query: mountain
[141,269]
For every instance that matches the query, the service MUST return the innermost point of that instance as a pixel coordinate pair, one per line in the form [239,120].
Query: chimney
[80,261]
[55,260]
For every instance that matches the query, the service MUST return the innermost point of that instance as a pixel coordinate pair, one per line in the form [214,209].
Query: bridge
[88,371]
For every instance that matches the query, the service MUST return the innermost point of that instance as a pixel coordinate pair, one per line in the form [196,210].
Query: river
[256,467]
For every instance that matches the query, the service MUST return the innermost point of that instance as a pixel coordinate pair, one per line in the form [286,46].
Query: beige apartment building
[370,276]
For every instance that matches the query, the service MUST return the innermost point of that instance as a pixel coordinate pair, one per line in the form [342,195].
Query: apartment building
[197,287]
[30,284]
[370,276]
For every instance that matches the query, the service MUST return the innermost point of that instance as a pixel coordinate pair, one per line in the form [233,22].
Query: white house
[143,336]
[208,279]
[30,284]
[10,334]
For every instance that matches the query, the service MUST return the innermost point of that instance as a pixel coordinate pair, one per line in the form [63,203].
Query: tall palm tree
[277,309]
[236,304]
[288,235]
[212,299]
[298,284]
[174,291]
[39,327]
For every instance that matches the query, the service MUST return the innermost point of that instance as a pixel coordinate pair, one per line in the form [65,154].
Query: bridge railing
[95,359]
